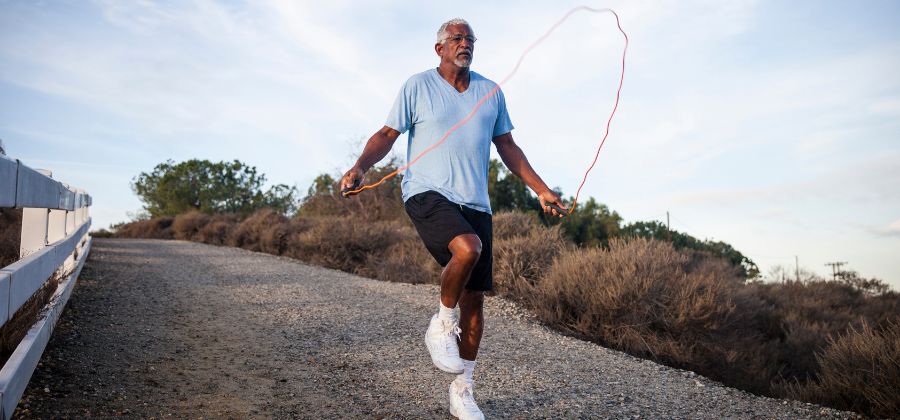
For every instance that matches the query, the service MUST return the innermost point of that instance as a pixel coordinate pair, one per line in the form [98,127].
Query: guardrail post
[34,231]
[56,229]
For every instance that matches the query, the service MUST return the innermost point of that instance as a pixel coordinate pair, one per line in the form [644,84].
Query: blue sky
[771,125]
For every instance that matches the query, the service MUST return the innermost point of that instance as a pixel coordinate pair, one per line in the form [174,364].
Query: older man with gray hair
[446,196]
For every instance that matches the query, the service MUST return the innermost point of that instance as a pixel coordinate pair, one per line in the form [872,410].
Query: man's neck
[458,77]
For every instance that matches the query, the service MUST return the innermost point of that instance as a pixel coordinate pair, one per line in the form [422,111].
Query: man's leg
[441,336]
[471,322]
[466,249]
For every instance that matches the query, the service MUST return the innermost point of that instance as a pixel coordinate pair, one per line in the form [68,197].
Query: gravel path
[170,328]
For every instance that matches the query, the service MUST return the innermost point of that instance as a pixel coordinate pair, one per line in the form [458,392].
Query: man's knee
[466,247]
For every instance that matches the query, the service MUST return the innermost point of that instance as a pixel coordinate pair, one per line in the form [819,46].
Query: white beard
[463,62]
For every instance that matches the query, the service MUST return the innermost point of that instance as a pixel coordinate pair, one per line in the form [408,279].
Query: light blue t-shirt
[428,106]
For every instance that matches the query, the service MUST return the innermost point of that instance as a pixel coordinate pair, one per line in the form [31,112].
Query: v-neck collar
[446,83]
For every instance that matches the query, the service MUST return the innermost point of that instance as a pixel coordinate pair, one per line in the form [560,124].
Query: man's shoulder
[421,77]
[478,78]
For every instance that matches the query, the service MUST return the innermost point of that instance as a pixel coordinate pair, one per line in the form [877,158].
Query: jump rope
[356,190]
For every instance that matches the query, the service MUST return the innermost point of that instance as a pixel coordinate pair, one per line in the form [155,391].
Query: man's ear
[438,47]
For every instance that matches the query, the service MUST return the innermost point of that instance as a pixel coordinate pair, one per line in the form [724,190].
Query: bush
[264,231]
[344,243]
[810,313]
[102,233]
[523,256]
[406,261]
[218,229]
[860,371]
[511,224]
[187,226]
[155,228]
[644,297]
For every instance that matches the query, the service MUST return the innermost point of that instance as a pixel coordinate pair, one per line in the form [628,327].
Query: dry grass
[406,261]
[344,243]
[187,226]
[521,261]
[218,229]
[16,327]
[859,371]
[647,298]
[155,228]
[10,235]
[683,308]
[513,224]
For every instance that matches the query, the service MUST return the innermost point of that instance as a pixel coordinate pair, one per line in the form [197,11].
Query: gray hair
[442,32]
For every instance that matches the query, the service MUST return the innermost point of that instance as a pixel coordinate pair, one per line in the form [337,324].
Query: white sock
[468,368]
[446,314]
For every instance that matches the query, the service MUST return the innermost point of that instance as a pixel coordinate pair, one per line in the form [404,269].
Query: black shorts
[438,221]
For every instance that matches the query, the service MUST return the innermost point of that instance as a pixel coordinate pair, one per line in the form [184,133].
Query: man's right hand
[351,180]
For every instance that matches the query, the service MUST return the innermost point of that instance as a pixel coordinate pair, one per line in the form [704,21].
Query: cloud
[891,230]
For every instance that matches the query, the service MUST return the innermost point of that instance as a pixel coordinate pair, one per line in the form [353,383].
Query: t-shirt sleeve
[401,117]
[503,124]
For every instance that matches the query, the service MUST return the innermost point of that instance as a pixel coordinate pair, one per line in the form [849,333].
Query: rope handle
[559,209]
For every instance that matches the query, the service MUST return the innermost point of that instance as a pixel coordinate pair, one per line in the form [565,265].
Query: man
[445,193]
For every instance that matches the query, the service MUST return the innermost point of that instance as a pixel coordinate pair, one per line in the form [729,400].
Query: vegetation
[10,235]
[209,187]
[639,288]
[658,231]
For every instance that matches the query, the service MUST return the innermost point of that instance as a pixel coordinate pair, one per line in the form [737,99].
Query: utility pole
[797,267]
[835,268]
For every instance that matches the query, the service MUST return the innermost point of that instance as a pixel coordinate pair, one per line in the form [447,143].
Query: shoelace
[451,328]
[465,393]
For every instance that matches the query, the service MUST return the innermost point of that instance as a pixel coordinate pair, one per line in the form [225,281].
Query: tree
[872,286]
[679,240]
[509,192]
[323,184]
[210,187]
[591,224]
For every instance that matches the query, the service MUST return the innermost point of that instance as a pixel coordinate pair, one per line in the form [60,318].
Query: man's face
[458,46]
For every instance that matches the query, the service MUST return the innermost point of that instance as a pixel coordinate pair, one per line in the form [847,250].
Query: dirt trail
[170,328]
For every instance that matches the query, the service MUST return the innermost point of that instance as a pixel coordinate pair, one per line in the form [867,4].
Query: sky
[771,125]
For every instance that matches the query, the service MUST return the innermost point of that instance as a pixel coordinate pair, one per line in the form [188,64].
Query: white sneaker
[462,402]
[440,338]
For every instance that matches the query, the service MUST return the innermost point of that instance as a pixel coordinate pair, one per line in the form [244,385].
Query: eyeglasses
[456,39]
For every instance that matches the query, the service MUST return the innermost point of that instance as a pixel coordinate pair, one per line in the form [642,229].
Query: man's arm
[376,149]
[514,159]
